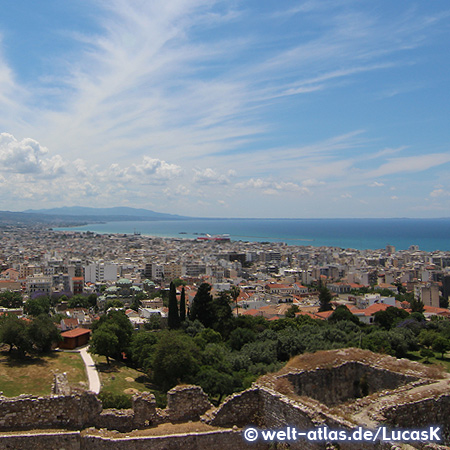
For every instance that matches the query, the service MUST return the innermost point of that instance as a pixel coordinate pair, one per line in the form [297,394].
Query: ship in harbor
[217,237]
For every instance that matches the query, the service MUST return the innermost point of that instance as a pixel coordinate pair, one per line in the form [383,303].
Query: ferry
[217,237]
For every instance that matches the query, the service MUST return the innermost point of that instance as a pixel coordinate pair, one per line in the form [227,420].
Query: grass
[118,378]
[34,375]
[436,359]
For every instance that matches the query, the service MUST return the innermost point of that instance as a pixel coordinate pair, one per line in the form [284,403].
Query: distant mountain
[119,213]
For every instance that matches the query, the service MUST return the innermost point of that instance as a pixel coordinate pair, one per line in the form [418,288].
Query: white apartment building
[100,272]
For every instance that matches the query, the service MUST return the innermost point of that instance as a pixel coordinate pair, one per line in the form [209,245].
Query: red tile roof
[75,332]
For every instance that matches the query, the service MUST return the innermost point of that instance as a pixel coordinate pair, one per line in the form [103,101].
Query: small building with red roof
[74,338]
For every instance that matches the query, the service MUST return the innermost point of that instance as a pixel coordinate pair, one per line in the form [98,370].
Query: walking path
[92,373]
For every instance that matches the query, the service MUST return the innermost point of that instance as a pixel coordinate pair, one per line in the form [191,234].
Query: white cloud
[376,184]
[152,167]
[312,183]
[272,187]
[440,193]
[210,176]
[27,157]
[410,164]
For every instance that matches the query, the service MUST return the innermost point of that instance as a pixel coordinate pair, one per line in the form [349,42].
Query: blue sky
[327,108]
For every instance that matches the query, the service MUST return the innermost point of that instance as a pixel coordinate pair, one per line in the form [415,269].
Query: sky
[236,108]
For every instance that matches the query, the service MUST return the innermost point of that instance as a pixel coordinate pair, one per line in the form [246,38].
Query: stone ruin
[342,389]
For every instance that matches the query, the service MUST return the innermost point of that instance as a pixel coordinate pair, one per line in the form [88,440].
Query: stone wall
[186,403]
[419,414]
[80,410]
[223,440]
[335,385]
[241,409]
[41,441]
[27,412]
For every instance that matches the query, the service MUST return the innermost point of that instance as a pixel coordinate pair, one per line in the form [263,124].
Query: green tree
[114,303]
[325,298]
[14,332]
[178,282]
[175,359]
[235,292]
[141,349]
[202,306]
[427,354]
[292,310]
[241,336]
[222,315]
[82,301]
[117,323]
[174,318]
[183,305]
[43,333]
[389,317]
[11,299]
[443,302]
[416,305]
[37,306]
[105,342]
[441,345]
[215,383]
[343,313]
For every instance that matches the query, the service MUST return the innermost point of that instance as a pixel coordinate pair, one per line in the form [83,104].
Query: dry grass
[35,375]
[161,430]
[284,386]
[332,358]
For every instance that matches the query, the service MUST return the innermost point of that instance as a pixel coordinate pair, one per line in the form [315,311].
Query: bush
[117,401]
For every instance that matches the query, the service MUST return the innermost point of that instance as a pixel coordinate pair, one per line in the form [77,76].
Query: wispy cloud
[410,164]
[164,99]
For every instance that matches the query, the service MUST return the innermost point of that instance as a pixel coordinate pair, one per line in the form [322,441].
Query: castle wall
[80,410]
[419,414]
[223,440]
[27,412]
[335,385]
[41,441]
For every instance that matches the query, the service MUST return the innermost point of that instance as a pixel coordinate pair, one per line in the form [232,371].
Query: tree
[343,313]
[441,345]
[175,359]
[324,299]
[118,324]
[174,318]
[443,302]
[427,354]
[37,306]
[141,349]
[290,313]
[105,342]
[202,306]
[234,292]
[11,299]
[82,301]
[14,332]
[182,305]
[43,333]
[222,316]
[416,305]
[215,383]
[390,317]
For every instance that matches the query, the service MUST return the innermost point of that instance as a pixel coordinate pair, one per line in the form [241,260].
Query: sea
[428,234]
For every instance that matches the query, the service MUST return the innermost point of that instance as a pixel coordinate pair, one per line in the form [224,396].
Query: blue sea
[428,234]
